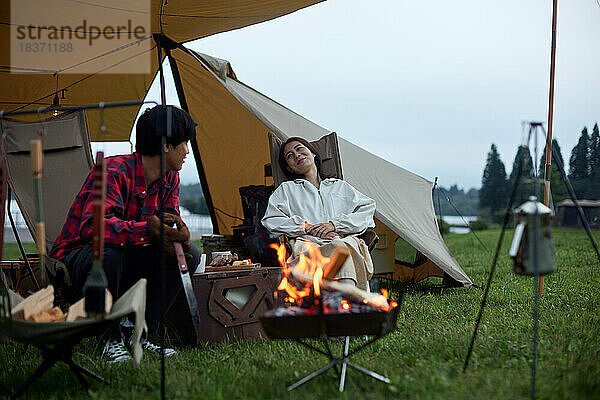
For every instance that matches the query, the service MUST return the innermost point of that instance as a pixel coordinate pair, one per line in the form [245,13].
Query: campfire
[315,272]
[318,305]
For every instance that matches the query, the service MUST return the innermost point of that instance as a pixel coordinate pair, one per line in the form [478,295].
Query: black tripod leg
[489,282]
[76,367]
[80,378]
[574,198]
[18,239]
[46,364]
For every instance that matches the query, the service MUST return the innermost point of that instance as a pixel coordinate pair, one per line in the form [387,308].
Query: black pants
[124,267]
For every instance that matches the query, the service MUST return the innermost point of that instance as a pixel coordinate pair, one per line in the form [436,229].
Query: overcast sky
[426,85]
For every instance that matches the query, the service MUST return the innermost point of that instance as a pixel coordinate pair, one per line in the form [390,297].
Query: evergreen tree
[579,164]
[493,194]
[523,157]
[594,182]
[558,188]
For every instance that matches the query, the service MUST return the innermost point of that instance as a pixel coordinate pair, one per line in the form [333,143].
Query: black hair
[289,174]
[151,125]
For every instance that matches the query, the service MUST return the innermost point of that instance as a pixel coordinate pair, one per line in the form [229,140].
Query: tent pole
[548,167]
[195,148]
[162,258]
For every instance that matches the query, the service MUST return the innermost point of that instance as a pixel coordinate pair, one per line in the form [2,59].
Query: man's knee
[112,263]
[193,263]
[79,263]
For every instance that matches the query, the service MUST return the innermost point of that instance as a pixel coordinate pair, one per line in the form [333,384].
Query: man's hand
[180,234]
[172,219]
[320,230]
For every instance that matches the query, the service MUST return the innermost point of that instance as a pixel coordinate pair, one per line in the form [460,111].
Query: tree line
[584,175]
[192,198]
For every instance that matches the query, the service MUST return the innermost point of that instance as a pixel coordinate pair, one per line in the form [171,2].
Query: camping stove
[329,316]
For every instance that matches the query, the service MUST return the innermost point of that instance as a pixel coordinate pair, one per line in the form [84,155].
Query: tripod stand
[534,127]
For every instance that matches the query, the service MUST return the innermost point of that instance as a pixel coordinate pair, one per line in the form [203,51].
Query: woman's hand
[331,235]
[320,230]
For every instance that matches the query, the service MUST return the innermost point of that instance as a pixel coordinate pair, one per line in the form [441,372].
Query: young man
[132,225]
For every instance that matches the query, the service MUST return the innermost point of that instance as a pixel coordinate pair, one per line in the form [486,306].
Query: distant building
[567,215]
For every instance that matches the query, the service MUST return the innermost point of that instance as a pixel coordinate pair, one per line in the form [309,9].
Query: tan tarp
[67,153]
[234,122]
[183,20]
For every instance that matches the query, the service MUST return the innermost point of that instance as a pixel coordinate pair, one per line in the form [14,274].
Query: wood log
[373,299]
[42,300]
[77,310]
[53,315]
[336,261]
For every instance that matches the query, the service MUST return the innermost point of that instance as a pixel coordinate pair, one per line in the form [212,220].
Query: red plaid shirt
[129,204]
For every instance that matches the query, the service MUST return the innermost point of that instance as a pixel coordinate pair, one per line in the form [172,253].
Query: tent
[232,136]
[231,145]
[567,216]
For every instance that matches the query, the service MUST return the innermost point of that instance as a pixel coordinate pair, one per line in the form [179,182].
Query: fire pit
[323,309]
[332,320]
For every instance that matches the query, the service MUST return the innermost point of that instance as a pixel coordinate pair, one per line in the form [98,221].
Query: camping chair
[331,165]
[67,162]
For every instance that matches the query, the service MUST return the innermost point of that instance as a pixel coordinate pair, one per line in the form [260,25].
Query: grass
[423,357]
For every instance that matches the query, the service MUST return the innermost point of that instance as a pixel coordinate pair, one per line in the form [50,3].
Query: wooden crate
[18,276]
[220,319]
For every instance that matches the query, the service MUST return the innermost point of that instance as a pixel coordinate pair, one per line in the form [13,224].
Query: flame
[317,278]
[311,264]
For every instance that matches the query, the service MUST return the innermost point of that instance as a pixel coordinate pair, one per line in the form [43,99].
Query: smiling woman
[313,208]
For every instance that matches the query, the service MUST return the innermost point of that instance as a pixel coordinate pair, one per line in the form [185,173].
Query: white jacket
[336,201]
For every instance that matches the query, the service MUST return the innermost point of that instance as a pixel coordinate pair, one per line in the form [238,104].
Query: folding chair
[67,162]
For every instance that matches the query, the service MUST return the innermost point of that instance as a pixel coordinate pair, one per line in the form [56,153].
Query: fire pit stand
[280,324]
[342,361]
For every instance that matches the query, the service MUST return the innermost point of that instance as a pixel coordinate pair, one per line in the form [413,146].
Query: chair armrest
[370,237]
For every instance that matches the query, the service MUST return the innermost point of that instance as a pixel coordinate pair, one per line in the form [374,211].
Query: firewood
[77,310]
[53,315]
[359,295]
[336,261]
[42,300]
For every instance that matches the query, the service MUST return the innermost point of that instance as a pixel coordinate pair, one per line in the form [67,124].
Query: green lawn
[423,358]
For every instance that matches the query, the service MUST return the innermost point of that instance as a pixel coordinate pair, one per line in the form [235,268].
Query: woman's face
[298,157]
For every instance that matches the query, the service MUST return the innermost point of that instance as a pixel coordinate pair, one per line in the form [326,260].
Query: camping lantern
[527,240]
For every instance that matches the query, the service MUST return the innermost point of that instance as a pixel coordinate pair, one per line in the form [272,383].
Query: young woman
[326,211]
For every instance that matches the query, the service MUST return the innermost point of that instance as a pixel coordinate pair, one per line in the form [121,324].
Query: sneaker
[147,345]
[115,352]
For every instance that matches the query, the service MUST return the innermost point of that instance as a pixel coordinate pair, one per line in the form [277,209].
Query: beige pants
[358,266]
